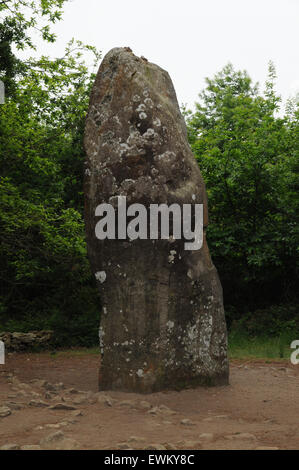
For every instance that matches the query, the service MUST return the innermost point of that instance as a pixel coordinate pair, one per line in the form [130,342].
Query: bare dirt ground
[260,408]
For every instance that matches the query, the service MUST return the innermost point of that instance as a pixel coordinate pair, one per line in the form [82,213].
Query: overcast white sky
[192,39]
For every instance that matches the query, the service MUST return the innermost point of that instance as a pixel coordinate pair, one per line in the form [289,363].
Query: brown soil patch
[260,407]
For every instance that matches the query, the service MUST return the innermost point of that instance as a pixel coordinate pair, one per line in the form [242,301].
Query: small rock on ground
[169,446]
[62,406]
[38,403]
[187,422]
[10,447]
[136,439]
[4,411]
[128,403]
[155,447]
[54,437]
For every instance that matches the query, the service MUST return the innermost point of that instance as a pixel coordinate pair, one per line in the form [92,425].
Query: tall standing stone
[162,321]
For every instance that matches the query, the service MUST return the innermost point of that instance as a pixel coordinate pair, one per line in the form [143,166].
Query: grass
[241,346]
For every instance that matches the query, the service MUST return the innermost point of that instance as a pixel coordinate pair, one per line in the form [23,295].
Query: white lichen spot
[105,310]
[170,324]
[192,332]
[140,108]
[136,98]
[123,148]
[140,373]
[189,273]
[128,181]
[149,133]
[87,172]
[117,120]
[142,116]
[171,256]
[101,336]
[157,122]
[193,197]
[168,156]
[101,276]
[149,102]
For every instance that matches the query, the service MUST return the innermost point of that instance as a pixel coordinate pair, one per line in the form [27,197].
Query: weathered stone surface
[4,411]
[38,382]
[162,324]
[136,439]
[105,399]
[54,437]
[187,422]
[58,441]
[38,403]
[14,406]
[155,447]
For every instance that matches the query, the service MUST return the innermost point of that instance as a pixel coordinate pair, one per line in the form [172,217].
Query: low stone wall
[26,341]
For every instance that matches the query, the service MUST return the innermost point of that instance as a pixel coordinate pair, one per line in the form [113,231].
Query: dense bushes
[45,276]
[249,157]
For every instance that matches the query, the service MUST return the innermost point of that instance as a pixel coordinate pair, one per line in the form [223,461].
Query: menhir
[162,320]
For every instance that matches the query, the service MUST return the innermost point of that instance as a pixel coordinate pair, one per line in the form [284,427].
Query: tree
[18,19]
[247,156]
[45,275]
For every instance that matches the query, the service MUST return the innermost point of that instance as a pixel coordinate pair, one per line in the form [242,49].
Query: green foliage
[45,275]
[273,321]
[19,18]
[249,160]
